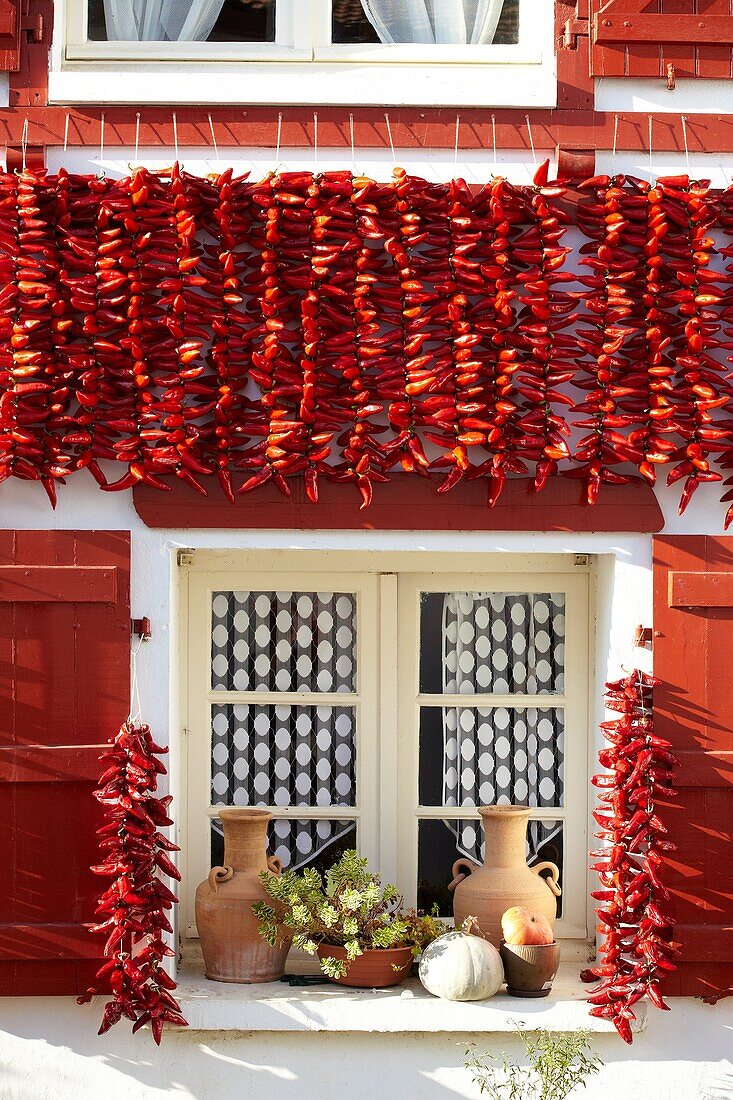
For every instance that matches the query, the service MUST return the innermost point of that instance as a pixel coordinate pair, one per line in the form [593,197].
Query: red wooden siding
[64,689]
[643,37]
[693,641]
[408,503]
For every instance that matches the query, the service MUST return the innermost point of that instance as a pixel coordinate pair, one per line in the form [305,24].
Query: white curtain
[161,20]
[458,22]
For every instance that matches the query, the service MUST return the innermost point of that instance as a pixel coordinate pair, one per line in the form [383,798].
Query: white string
[175,135]
[493,137]
[213,137]
[455,151]
[315,140]
[684,138]
[24,143]
[389,135]
[137,134]
[279,135]
[615,138]
[101,139]
[135,715]
[650,147]
[353,154]
[531,141]
[66,132]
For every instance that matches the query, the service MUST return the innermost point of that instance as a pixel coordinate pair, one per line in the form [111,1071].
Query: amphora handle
[275,865]
[553,879]
[218,875]
[470,867]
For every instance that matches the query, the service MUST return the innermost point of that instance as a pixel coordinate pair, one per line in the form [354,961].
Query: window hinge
[574,28]
[185,557]
[580,559]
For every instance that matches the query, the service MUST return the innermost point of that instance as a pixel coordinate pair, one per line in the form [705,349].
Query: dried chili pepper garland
[134,906]
[301,328]
[637,949]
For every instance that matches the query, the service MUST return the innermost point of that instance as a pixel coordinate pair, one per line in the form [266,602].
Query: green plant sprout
[350,908]
[557,1063]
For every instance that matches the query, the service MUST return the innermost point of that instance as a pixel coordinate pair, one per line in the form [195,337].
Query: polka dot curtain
[502,643]
[276,754]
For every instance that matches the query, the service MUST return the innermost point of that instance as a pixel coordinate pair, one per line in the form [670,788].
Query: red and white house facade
[371,675]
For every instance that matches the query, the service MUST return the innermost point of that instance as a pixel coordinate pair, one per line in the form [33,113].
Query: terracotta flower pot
[374,969]
[505,879]
[530,969]
[232,947]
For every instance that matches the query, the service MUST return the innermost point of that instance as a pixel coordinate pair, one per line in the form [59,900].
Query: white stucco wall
[49,1048]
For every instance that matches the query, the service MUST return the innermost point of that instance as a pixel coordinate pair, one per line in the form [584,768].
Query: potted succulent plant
[355,925]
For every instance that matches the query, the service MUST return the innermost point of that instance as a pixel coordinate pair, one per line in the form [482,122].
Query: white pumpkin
[461,967]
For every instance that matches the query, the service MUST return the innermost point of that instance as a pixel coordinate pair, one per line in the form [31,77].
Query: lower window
[378,709]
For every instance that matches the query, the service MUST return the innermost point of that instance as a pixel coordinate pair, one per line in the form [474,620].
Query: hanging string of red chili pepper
[133,909]
[544,313]
[637,948]
[688,249]
[304,327]
[607,306]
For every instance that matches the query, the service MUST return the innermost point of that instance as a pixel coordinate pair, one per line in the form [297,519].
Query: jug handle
[553,879]
[218,875]
[275,865]
[455,871]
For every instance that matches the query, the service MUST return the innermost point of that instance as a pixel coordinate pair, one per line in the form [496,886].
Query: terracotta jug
[232,947]
[505,879]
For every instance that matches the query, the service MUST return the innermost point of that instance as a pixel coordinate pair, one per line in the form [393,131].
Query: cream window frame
[573,702]
[201,697]
[303,66]
[386,807]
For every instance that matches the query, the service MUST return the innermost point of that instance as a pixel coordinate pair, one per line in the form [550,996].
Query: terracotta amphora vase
[505,879]
[232,947]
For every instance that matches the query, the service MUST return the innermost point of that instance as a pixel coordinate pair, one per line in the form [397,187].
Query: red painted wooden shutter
[10,31]
[64,690]
[693,649]
[643,37]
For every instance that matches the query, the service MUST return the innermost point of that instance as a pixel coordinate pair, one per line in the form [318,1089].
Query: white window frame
[303,66]
[201,698]
[386,809]
[573,702]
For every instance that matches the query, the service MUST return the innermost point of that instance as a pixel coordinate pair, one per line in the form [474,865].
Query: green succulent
[350,908]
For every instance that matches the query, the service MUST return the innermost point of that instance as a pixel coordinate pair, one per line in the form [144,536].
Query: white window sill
[276,1006]
[311,83]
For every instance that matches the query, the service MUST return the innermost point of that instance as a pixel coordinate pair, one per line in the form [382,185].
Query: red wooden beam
[256,127]
[408,503]
[699,589]
[662,29]
[57,584]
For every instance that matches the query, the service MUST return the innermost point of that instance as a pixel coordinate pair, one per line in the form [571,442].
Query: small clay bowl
[530,969]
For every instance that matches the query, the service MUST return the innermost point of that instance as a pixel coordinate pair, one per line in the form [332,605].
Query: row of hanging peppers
[133,909]
[333,327]
[637,948]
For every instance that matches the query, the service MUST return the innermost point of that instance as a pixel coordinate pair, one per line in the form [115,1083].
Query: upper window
[352,22]
[430,48]
[378,710]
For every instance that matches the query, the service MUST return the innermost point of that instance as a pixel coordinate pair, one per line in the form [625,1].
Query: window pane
[350,24]
[298,844]
[283,641]
[477,756]
[455,22]
[492,642]
[173,20]
[282,755]
[441,843]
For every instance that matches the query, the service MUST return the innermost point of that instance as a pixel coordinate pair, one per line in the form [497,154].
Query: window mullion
[388,764]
